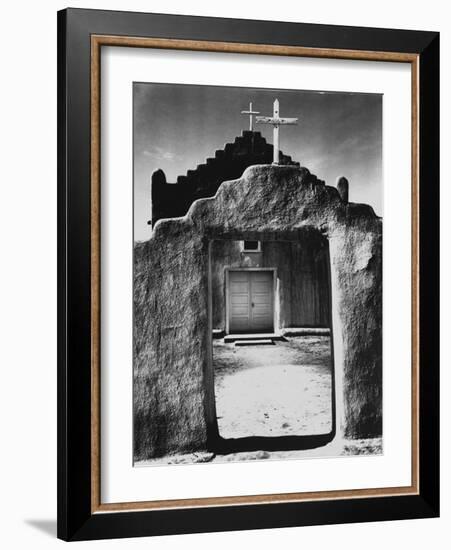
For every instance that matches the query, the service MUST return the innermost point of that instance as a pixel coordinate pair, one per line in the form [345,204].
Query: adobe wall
[302,273]
[174,408]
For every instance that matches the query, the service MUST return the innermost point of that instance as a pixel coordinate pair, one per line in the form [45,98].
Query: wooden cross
[250,113]
[276,121]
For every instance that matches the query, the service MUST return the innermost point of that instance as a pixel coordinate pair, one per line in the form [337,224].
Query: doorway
[272,352]
[250,301]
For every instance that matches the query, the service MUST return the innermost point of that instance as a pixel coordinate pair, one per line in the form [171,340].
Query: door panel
[239,295]
[251,301]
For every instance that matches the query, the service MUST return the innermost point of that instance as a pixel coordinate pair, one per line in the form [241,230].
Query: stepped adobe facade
[172,200]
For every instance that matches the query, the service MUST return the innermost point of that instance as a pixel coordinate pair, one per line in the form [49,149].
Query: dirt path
[273,390]
[283,389]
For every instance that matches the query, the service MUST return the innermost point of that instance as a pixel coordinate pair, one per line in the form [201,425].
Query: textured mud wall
[173,379]
[302,272]
[172,388]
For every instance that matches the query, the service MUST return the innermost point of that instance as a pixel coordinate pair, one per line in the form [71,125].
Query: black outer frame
[75,520]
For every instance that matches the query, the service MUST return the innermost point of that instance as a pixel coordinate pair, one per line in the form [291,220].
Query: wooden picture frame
[81,35]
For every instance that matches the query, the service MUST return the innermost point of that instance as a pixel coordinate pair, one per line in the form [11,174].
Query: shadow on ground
[282,443]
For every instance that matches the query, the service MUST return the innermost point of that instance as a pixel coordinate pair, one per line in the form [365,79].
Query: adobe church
[250,243]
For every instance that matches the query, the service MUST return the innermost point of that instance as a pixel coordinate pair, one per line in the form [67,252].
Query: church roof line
[171,200]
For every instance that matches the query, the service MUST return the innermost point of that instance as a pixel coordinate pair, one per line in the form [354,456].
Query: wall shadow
[257,443]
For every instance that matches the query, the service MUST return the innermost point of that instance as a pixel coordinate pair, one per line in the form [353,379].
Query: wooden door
[250,301]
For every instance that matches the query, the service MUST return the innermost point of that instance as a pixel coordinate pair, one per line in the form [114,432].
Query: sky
[178,126]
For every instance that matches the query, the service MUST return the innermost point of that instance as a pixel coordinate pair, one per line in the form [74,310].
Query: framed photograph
[248,274]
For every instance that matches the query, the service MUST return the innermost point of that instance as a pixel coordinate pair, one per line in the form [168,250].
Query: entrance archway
[173,401]
[272,392]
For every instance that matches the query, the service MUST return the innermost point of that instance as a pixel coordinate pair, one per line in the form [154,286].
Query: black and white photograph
[257,274]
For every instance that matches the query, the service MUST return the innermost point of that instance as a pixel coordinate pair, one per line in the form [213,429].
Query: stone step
[262,342]
[230,338]
[305,331]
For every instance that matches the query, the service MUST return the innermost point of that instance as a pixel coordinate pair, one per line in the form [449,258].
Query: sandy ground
[355,447]
[274,390]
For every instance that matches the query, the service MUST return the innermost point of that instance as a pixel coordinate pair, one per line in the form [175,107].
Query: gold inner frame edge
[97,41]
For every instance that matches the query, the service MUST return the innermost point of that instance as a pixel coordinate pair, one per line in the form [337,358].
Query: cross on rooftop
[276,121]
[250,113]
